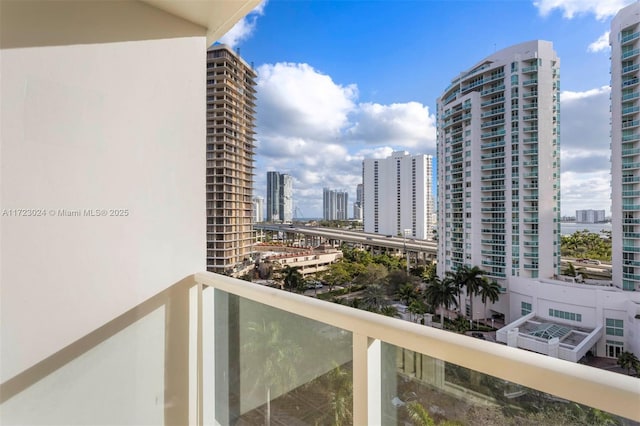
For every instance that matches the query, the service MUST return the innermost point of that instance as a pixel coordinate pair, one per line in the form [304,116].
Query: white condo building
[590,216]
[625,147]
[258,209]
[397,195]
[334,204]
[499,165]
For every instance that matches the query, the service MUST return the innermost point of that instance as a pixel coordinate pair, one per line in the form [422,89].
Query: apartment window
[572,316]
[514,66]
[615,327]
[525,308]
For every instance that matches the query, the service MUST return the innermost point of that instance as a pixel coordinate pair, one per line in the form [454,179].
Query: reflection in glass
[428,391]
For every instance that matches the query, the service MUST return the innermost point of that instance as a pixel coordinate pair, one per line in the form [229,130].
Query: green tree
[373,273]
[407,294]
[571,270]
[374,298]
[472,278]
[390,311]
[337,274]
[292,278]
[441,294]
[416,307]
[418,415]
[629,361]
[489,292]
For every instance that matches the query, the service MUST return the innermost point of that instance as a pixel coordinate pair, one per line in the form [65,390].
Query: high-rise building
[499,165]
[258,209]
[334,204]
[625,147]
[590,216]
[397,195]
[286,198]
[230,148]
[273,196]
[357,206]
[279,197]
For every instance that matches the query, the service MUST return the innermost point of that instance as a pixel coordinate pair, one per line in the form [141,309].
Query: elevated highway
[424,248]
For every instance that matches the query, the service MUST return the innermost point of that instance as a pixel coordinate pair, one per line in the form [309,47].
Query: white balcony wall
[102,107]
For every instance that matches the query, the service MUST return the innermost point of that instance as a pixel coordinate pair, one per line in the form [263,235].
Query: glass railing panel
[281,368]
[422,390]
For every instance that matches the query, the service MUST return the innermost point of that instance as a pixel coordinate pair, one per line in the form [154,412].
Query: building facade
[273,196]
[397,195]
[625,147]
[499,165]
[357,206]
[286,198]
[590,216]
[335,204]
[258,209]
[279,197]
[230,150]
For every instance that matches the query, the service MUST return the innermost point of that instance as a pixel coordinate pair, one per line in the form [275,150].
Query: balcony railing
[216,350]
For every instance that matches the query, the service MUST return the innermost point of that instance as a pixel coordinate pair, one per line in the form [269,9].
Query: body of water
[568,228]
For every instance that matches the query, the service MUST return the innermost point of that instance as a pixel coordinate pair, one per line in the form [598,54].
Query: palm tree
[571,270]
[441,293]
[418,414]
[489,291]
[415,308]
[389,311]
[292,278]
[407,294]
[628,360]
[472,278]
[455,278]
[374,298]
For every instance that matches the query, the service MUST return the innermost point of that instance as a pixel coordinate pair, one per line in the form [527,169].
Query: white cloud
[601,9]
[601,44]
[585,191]
[297,100]
[585,119]
[244,28]
[585,151]
[314,129]
[406,125]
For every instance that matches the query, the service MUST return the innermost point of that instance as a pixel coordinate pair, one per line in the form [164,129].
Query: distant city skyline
[331,92]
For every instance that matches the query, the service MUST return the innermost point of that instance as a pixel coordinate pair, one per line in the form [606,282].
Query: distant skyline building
[230,144]
[624,39]
[286,198]
[258,209]
[279,197]
[334,204]
[590,216]
[499,165]
[357,206]
[273,196]
[397,195]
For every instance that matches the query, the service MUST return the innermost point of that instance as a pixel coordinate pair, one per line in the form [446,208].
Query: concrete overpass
[315,235]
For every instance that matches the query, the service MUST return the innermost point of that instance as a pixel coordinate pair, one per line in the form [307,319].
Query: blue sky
[340,81]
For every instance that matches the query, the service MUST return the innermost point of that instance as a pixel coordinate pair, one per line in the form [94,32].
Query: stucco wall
[102,109]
